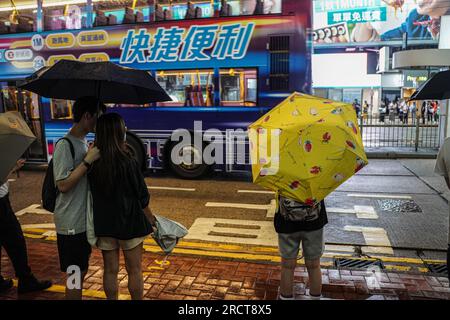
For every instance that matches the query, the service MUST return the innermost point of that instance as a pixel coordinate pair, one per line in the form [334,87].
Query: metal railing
[399,131]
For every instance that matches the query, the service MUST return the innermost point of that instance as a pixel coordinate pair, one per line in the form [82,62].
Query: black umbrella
[435,88]
[107,81]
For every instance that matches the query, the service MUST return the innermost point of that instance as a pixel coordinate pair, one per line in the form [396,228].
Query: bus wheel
[137,149]
[187,161]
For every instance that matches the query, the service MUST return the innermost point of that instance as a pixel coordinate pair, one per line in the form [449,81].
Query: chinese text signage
[198,43]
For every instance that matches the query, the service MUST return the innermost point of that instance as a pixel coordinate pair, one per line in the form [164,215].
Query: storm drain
[399,206]
[357,263]
[437,268]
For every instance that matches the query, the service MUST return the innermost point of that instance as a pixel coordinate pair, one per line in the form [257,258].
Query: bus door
[28,104]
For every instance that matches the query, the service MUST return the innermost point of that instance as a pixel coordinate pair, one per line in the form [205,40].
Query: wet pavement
[192,278]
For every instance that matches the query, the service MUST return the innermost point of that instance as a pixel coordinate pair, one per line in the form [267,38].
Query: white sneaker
[280,297]
[321,297]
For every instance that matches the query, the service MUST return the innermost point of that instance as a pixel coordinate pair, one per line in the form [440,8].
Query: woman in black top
[122,218]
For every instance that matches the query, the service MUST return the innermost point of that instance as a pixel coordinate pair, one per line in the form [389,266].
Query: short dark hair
[89,104]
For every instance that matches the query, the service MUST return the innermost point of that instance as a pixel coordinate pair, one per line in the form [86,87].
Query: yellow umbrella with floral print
[306,147]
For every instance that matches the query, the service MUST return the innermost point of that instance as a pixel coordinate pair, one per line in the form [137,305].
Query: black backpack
[49,189]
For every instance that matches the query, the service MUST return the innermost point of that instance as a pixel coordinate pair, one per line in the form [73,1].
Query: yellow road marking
[86,292]
[398,268]
[222,254]
[34,236]
[255,253]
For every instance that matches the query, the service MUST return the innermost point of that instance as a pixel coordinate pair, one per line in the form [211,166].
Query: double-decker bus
[223,63]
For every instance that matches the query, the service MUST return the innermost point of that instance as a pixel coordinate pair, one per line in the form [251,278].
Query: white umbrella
[15,138]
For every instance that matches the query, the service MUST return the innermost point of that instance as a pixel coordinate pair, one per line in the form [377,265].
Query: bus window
[187,87]
[27,104]
[64,17]
[121,12]
[249,7]
[61,109]
[10,101]
[13,21]
[238,87]
[189,9]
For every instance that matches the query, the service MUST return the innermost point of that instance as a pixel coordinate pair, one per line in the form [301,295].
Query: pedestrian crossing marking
[373,237]
[362,212]
[39,226]
[34,208]
[378,196]
[270,208]
[256,191]
[237,205]
[208,229]
[171,188]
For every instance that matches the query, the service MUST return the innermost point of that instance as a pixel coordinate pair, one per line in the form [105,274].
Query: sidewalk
[188,278]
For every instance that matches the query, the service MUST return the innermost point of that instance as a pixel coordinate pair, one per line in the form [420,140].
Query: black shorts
[73,250]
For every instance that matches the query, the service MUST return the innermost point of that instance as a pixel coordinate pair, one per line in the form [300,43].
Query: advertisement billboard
[379,22]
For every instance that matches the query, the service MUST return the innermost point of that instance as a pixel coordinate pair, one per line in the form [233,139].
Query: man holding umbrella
[71,181]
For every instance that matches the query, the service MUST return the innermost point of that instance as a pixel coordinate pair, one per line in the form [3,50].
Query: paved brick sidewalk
[205,278]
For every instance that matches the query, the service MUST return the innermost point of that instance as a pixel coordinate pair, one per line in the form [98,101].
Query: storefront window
[187,87]
[350,95]
[64,17]
[61,109]
[238,87]
[335,94]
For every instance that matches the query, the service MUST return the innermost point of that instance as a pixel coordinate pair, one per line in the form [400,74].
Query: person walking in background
[423,111]
[357,107]
[442,168]
[121,214]
[436,111]
[400,112]
[365,112]
[413,110]
[386,103]
[392,112]
[300,224]
[405,109]
[430,111]
[382,111]
[12,239]
[70,177]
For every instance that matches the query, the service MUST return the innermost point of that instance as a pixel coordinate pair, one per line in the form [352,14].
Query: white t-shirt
[443,165]
[4,189]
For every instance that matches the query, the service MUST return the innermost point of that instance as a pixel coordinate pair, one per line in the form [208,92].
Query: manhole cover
[437,268]
[394,205]
[357,263]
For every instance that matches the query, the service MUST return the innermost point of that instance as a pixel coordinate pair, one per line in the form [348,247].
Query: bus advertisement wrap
[222,72]
[378,22]
[172,46]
